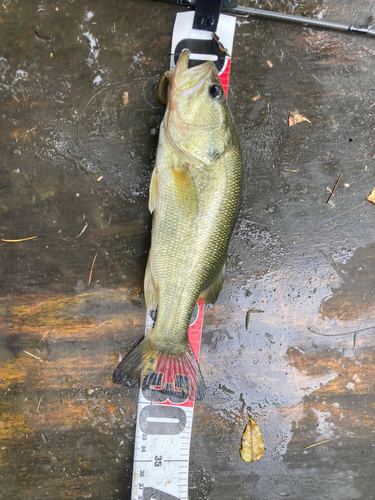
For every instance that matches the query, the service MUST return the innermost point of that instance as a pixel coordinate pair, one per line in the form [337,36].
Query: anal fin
[151,295]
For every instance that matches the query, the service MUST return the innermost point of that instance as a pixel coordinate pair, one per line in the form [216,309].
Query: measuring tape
[164,422]
[163,432]
[202,45]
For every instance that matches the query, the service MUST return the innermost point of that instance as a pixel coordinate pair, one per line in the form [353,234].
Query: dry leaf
[269,64]
[295,117]
[252,443]
[371,196]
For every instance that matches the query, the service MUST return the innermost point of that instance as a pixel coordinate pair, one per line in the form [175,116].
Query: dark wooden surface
[299,369]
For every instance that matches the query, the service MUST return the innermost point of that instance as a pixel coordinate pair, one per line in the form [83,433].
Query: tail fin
[178,376]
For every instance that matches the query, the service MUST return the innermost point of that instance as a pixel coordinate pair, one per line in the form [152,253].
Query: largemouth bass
[194,197]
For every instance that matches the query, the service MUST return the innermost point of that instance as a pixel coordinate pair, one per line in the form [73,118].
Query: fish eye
[216,92]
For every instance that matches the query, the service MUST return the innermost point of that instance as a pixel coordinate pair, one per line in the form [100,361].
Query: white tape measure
[163,432]
[201,44]
[164,422]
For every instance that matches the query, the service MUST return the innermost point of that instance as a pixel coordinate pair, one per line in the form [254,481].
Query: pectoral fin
[211,292]
[184,190]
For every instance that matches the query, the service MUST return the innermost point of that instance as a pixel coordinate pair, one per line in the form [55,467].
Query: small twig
[37,408]
[316,444]
[91,268]
[247,319]
[36,357]
[286,472]
[316,78]
[22,239]
[250,311]
[47,332]
[41,36]
[334,189]
[82,230]
[340,334]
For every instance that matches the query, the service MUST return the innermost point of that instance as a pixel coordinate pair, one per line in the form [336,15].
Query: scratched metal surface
[77,85]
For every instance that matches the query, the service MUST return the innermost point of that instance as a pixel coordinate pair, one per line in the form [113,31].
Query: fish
[194,197]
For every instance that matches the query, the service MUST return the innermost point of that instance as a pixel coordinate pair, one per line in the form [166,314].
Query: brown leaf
[295,117]
[371,196]
[252,443]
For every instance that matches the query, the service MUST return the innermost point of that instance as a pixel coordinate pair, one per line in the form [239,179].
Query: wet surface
[77,100]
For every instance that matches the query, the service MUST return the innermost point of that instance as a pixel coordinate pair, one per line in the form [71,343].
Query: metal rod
[278,16]
[306,21]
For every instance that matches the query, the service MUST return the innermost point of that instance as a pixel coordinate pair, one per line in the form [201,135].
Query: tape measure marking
[163,433]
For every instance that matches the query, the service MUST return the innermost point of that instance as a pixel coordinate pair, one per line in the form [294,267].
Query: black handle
[207,14]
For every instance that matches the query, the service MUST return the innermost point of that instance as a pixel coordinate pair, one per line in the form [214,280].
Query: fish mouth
[182,62]
[188,81]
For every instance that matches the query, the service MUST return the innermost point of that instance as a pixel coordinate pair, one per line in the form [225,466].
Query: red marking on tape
[195,330]
[224,76]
